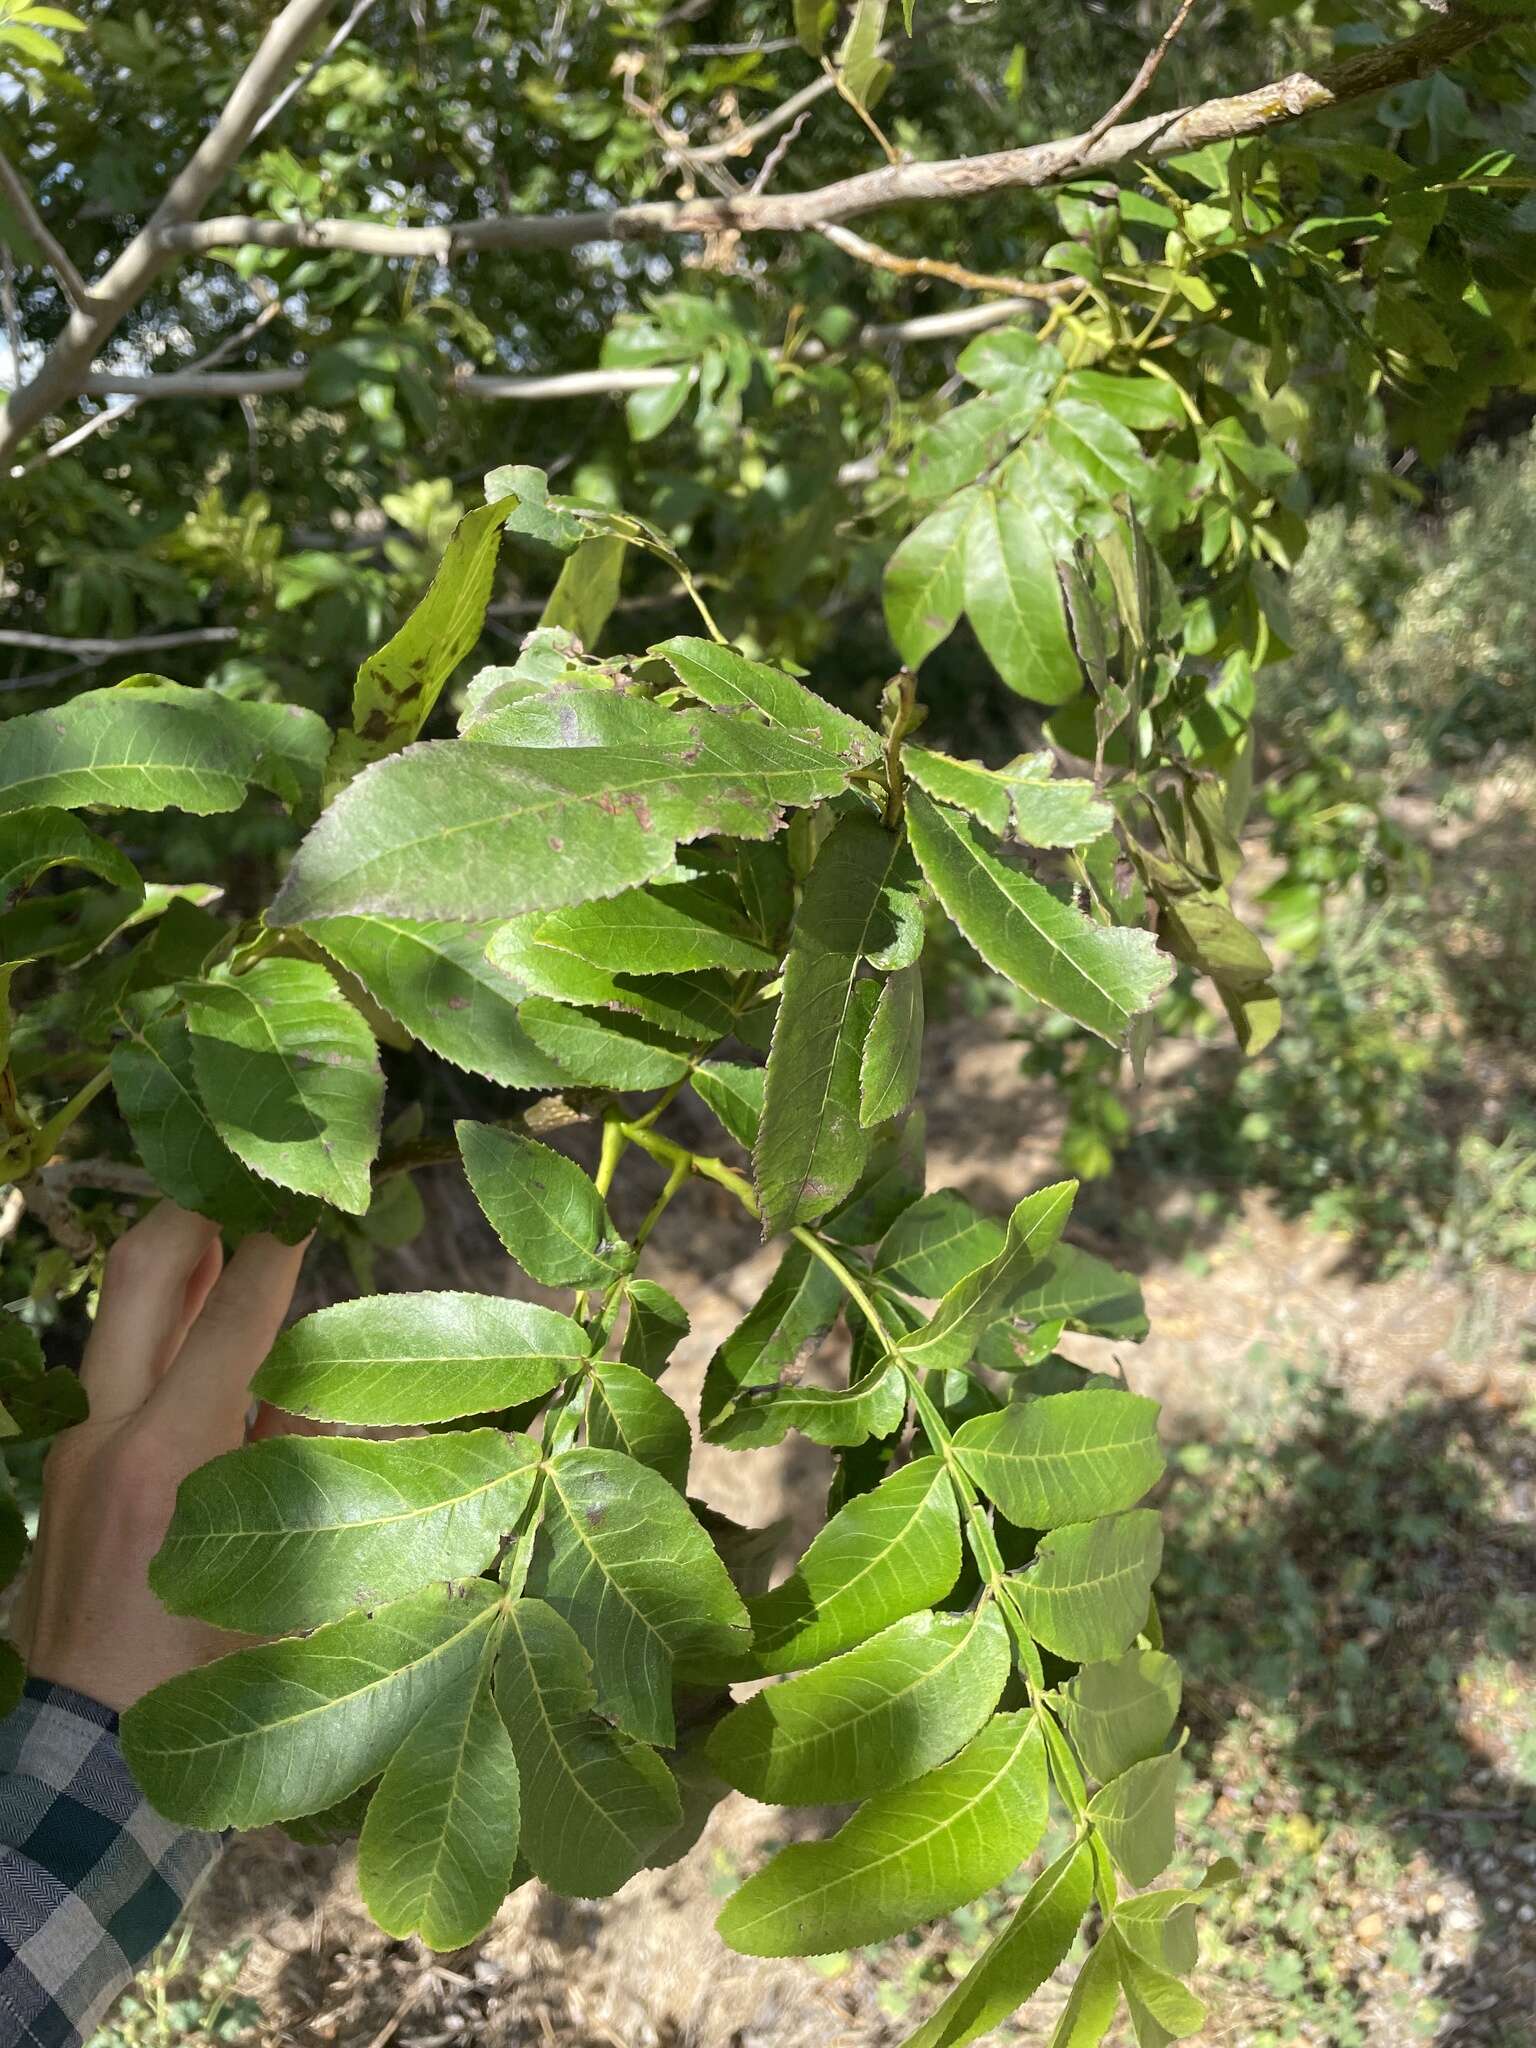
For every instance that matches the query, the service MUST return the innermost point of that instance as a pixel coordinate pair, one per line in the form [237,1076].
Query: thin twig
[270,307]
[53,253]
[844,92]
[1031,168]
[1151,64]
[191,383]
[144,643]
[742,141]
[63,1175]
[952,273]
[113,295]
[297,85]
[777,154]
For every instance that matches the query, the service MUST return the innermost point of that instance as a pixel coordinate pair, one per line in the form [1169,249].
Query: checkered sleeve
[91,1878]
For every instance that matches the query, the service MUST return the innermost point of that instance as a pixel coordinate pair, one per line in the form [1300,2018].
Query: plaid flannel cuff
[91,1878]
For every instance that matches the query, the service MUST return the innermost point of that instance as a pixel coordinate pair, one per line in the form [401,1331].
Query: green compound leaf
[595,1048]
[294,1726]
[595,1803]
[541,1205]
[884,1555]
[397,687]
[37,1402]
[1026,801]
[988,1292]
[886,1712]
[1014,600]
[835,1416]
[728,681]
[297,1530]
[811,1146]
[1100,976]
[1085,1293]
[791,1316]
[905,1857]
[693,1007]
[1161,2008]
[666,929]
[439,1843]
[893,1050]
[156,1089]
[461,829]
[932,1246]
[436,981]
[403,1358]
[657,1325]
[1121,1712]
[1093,2000]
[891,1182]
[734,1094]
[925,579]
[33,842]
[1135,1815]
[290,1076]
[622,1558]
[628,1412]
[1085,1595]
[147,745]
[587,588]
[1064,1457]
[1018,1961]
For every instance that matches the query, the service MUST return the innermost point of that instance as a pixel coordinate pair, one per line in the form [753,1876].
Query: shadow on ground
[1355,1603]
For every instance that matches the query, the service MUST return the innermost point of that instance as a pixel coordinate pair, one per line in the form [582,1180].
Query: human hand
[168,1367]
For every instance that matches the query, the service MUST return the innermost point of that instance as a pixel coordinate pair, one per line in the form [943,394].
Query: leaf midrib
[865,1872]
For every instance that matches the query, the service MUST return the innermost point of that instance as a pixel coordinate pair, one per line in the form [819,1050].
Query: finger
[272,1421]
[204,1397]
[154,1272]
[200,1284]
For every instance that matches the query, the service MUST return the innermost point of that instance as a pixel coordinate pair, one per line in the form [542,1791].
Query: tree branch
[192,383]
[54,255]
[173,230]
[120,287]
[295,86]
[744,140]
[1046,163]
[1151,64]
[952,273]
[570,384]
[145,643]
[268,310]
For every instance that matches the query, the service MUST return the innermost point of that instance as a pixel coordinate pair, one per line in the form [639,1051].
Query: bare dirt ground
[1234,1295]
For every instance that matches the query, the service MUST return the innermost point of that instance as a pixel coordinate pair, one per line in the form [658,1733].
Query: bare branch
[743,141]
[173,231]
[1151,64]
[952,273]
[125,281]
[1046,163]
[56,257]
[571,384]
[145,643]
[268,311]
[937,326]
[295,86]
[192,383]
[771,162]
